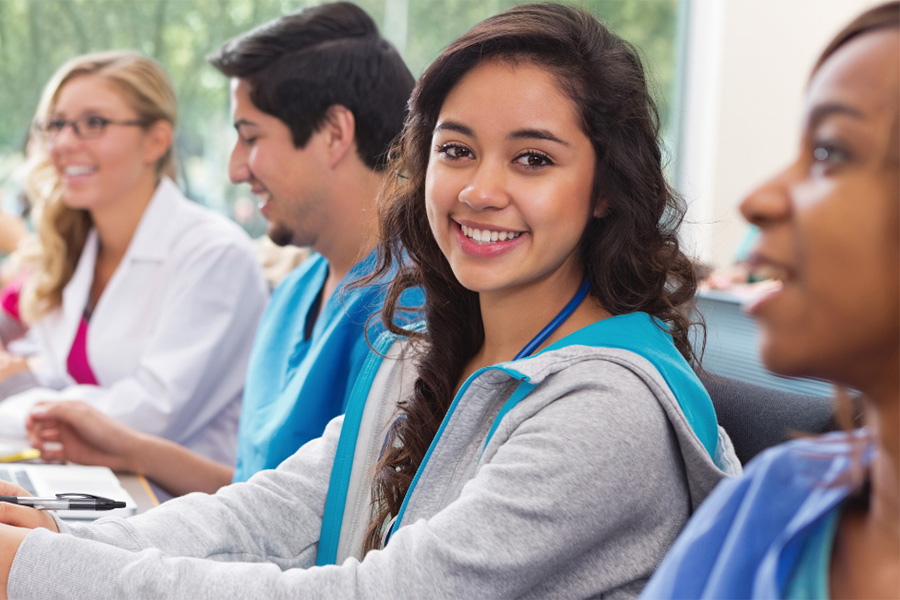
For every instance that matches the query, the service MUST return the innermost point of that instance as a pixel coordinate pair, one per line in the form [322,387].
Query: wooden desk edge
[140,490]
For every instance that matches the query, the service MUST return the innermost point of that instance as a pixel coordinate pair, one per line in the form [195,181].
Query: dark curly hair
[631,255]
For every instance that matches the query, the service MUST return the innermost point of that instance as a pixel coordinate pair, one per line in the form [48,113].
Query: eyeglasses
[85,128]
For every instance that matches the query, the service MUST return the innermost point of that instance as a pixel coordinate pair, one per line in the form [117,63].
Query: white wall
[747,64]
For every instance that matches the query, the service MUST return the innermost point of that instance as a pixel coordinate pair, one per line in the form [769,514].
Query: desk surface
[140,490]
[136,485]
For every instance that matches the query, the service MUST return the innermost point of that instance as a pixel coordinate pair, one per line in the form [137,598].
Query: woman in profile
[543,436]
[820,517]
[139,302]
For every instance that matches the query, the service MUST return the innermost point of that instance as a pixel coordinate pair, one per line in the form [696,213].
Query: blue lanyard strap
[554,324]
[522,391]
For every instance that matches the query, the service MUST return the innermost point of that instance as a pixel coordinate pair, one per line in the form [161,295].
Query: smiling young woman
[543,434]
[820,518]
[137,298]
[521,169]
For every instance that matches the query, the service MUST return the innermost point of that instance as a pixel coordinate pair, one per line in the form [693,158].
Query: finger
[49,434]
[38,425]
[54,454]
[34,439]
[37,421]
[11,489]
[38,437]
[51,449]
[42,405]
[43,411]
[25,516]
[58,414]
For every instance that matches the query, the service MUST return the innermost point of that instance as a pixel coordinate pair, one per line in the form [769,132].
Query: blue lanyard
[554,324]
[526,351]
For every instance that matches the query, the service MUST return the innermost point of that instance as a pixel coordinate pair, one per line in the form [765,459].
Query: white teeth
[76,170]
[757,291]
[763,272]
[487,236]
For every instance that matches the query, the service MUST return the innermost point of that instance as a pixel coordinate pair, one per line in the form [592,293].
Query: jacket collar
[155,233]
[152,241]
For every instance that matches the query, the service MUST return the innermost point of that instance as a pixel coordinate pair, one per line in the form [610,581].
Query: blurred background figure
[14,221]
[332,96]
[12,230]
[138,301]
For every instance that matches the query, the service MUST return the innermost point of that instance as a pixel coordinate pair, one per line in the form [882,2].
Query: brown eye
[533,160]
[454,151]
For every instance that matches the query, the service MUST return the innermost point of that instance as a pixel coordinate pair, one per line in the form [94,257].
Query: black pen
[65,502]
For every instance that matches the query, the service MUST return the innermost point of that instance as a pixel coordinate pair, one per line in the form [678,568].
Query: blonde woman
[140,302]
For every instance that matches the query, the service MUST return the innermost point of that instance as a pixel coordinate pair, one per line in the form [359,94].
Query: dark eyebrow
[821,112]
[536,134]
[88,112]
[454,126]
[243,123]
[521,134]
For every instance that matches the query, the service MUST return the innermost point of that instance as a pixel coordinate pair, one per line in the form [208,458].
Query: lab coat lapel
[75,294]
[152,239]
[155,233]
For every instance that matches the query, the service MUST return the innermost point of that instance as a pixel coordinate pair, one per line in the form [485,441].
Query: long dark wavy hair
[631,255]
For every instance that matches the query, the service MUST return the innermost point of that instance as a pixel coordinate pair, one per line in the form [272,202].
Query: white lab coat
[170,336]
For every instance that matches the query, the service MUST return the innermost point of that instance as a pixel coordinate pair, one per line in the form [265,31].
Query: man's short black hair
[301,64]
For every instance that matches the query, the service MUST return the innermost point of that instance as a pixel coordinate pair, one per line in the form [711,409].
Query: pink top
[77,364]
[9,296]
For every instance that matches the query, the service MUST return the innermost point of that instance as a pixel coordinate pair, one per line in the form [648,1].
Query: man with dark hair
[299,66]
[322,69]
[317,98]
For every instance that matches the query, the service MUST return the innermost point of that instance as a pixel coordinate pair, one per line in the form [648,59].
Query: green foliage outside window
[37,36]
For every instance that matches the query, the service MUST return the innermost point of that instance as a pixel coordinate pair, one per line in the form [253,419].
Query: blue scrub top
[751,536]
[295,385]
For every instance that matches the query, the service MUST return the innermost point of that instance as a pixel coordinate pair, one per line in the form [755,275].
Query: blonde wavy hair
[50,257]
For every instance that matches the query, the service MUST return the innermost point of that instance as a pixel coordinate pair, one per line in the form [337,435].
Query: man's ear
[340,131]
[157,140]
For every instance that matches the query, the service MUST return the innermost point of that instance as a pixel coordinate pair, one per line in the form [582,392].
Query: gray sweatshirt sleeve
[243,522]
[589,477]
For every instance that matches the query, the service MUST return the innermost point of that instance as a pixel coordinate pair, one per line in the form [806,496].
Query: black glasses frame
[85,128]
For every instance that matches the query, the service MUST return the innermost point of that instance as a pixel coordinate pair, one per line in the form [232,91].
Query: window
[37,37]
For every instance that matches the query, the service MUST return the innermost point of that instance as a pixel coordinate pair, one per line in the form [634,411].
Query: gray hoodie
[578,493]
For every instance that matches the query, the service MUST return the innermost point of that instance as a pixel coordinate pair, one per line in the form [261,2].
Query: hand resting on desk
[74,431]
[22,516]
[77,432]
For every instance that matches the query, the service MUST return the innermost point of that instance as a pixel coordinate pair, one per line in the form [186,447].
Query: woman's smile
[486,242]
[488,235]
[509,183]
